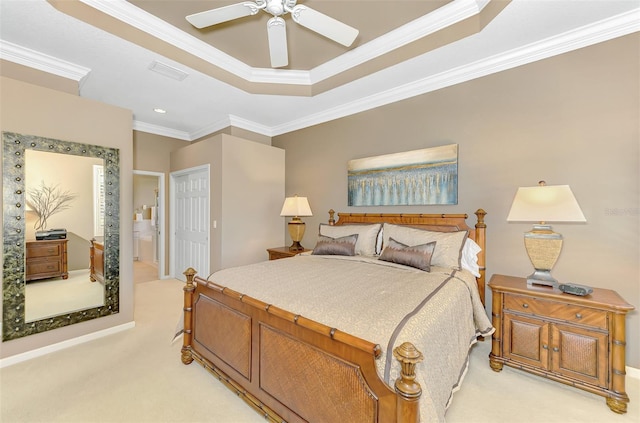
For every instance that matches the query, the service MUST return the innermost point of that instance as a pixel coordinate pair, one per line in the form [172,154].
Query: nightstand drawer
[556,310]
[43,250]
[44,266]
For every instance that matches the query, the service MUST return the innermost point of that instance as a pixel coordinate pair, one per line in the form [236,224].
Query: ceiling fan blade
[277,33]
[223,14]
[324,25]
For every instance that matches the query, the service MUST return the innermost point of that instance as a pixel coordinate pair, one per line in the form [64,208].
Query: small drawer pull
[556,349]
[578,316]
[525,305]
[545,347]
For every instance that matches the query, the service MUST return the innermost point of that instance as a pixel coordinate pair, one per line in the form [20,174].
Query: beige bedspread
[369,298]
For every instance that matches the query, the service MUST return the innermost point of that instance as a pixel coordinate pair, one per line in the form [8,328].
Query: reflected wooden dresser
[46,259]
[96,257]
[579,341]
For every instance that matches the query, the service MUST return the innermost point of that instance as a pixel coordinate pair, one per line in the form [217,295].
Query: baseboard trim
[18,358]
[633,372]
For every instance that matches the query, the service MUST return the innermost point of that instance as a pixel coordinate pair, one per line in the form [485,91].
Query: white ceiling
[115,71]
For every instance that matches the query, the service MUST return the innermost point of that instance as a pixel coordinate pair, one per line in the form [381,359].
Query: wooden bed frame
[294,369]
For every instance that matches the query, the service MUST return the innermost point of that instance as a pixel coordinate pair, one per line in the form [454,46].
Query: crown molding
[443,17]
[45,63]
[616,26]
[248,125]
[211,128]
[161,130]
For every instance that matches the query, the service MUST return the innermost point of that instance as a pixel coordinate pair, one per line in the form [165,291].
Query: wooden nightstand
[579,341]
[282,252]
[46,259]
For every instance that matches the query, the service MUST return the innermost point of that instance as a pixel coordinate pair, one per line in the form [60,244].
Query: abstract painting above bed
[420,177]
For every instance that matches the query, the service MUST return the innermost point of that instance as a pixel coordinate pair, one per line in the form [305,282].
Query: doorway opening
[148,225]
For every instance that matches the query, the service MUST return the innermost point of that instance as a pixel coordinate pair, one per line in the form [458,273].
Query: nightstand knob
[556,349]
[525,305]
[578,316]
[545,347]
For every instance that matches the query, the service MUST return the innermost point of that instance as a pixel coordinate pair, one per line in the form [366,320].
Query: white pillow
[367,236]
[469,258]
[448,249]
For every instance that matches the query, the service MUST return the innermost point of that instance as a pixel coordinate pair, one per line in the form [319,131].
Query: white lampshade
[296,206]
[545,203]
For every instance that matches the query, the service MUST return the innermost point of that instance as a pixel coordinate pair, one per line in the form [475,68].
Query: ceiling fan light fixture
[224,14]
[324,25]
[277,34]
[276,29]
[275,7]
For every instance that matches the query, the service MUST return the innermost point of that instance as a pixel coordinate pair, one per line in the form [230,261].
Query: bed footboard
[289,368]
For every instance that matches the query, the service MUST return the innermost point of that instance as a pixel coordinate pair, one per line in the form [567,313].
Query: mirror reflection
[63,213]
[61,233]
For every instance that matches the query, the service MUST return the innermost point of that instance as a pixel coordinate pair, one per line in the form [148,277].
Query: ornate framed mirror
[18,151]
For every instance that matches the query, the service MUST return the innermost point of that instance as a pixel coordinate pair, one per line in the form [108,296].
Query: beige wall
[151,153]
[572,119]
[36,77]
[34,110]
[247,191]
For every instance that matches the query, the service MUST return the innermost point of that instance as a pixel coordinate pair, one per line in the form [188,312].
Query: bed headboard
[432,222]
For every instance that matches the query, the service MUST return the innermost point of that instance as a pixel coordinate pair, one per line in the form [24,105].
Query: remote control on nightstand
[575,289]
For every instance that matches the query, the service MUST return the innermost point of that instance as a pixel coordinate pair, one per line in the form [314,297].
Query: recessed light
[159,110]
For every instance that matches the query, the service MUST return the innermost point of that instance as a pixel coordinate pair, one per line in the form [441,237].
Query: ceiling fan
[276,28]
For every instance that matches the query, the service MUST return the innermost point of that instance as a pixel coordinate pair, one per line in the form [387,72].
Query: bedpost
[481,230]
[332,220]
[189,288]
[407,389]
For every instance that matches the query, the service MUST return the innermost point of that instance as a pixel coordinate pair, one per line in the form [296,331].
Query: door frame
[172,216]
[161,219]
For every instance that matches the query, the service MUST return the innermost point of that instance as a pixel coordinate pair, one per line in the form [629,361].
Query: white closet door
[192,223]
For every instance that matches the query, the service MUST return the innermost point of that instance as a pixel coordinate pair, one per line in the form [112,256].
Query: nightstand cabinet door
[579,354]
[526,340]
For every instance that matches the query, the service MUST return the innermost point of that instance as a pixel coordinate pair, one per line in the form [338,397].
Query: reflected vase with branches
[45,201]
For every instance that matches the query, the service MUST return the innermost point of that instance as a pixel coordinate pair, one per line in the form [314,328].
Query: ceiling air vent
[168,71]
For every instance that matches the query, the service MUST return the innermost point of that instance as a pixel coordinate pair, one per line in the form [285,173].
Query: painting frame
[424,177]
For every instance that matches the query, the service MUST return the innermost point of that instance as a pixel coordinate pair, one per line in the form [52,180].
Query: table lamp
[544,203]
[296,207]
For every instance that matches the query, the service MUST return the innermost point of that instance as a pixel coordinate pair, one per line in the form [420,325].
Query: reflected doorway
[148,226]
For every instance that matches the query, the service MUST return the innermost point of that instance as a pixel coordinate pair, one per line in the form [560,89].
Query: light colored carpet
[137,376]
[144,271]
[50,297]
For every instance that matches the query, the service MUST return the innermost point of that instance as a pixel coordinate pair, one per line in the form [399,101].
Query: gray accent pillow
[418,256]
[343,246]
[447,254]
[367,235]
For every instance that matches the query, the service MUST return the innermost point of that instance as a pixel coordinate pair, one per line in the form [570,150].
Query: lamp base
[296,246]
[543,247]
[296,231]
[542,277]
